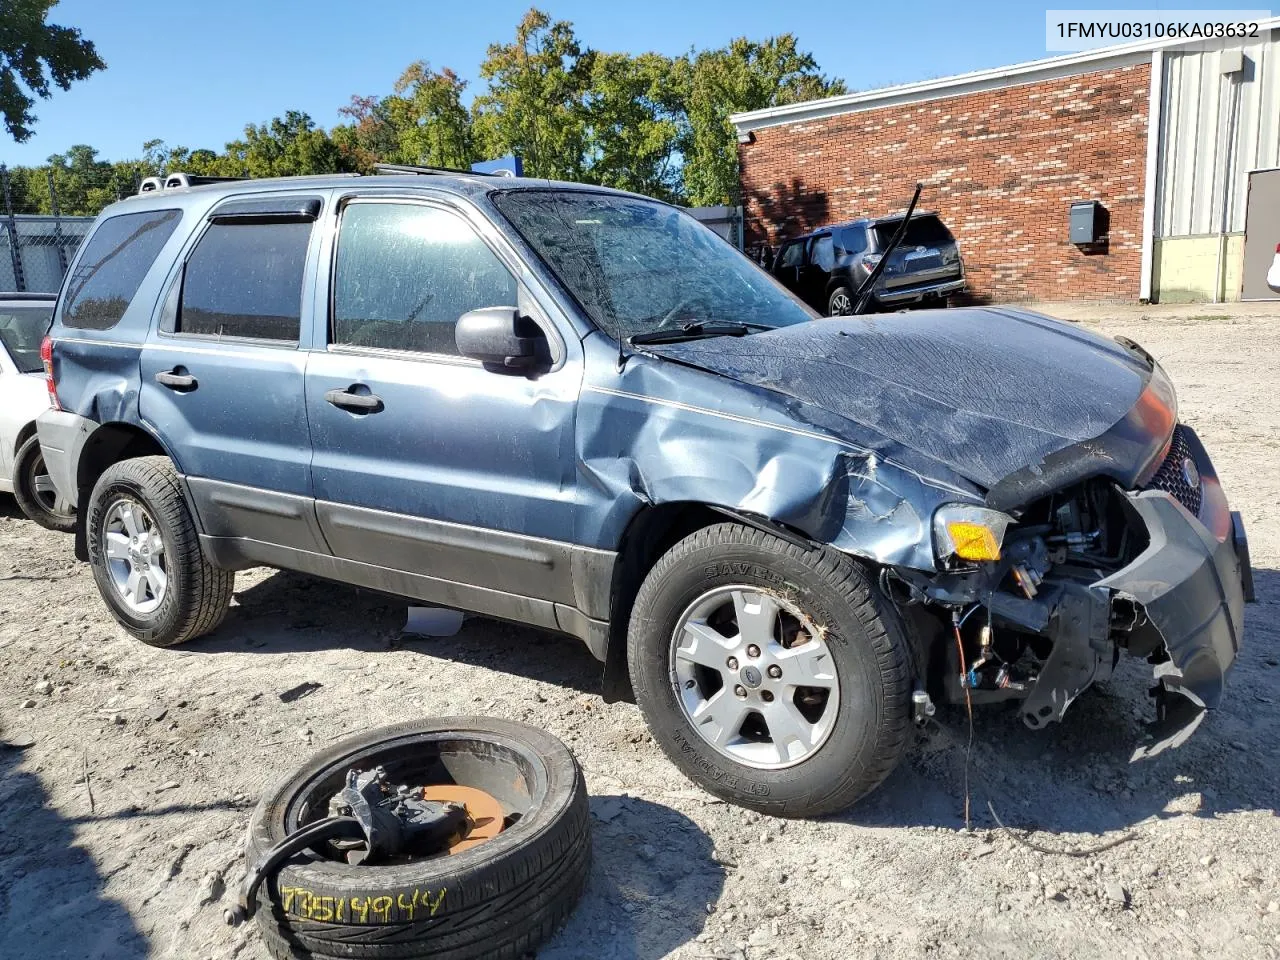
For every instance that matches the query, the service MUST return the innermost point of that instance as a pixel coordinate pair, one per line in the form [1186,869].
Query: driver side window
[405,273]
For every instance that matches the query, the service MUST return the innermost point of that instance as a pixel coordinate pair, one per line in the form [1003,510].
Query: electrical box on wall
[1087,223]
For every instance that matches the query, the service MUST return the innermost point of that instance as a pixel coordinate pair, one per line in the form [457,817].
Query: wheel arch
[109,444]
[27,432]
[651,532]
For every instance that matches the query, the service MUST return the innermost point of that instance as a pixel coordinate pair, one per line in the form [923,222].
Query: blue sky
[194,73]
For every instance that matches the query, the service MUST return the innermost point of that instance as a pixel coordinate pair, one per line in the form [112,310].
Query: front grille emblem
[1190,474]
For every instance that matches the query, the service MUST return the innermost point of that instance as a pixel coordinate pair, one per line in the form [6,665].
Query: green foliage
[648,123]
[636,121]
[33,54]
[535,105]
[742,76]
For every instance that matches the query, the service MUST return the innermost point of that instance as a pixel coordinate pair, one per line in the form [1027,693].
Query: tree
[745,75]
[33,53]
[636,118]
[287,146]
[432,126]
[535,105]
[370,138]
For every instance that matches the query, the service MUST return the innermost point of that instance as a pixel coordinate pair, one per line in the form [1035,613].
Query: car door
[789,263]
[425,461]
[815,273]
[222,377]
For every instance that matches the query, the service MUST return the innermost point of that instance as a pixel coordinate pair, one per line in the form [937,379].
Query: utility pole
[19,282]
[57,224]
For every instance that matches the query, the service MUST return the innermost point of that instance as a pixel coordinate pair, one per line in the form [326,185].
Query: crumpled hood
[984,391]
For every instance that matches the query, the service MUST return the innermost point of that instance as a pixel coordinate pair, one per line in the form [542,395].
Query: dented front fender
[662,432]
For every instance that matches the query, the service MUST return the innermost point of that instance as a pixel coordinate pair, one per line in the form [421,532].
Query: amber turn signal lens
[972,541]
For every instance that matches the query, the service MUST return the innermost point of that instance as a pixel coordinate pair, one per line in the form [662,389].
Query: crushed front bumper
[1187,588]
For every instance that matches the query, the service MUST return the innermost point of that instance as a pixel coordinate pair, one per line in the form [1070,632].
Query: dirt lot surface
[123,820]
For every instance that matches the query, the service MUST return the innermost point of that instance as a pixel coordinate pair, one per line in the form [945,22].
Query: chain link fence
[36,250]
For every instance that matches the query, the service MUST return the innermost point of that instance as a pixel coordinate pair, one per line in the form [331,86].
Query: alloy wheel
[135,555]
[754,677]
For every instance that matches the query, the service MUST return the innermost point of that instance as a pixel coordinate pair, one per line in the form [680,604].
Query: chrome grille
[1171,477]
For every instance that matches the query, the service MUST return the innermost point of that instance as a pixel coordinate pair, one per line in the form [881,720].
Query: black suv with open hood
[580,409]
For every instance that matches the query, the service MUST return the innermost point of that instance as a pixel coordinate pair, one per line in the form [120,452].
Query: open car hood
[992,394]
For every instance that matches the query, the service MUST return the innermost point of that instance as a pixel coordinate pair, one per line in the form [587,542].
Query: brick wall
[1000,166]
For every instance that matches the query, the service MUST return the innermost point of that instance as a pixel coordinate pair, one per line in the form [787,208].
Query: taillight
[46,357]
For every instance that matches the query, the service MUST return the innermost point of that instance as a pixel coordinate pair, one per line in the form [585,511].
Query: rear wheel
[145,555]
[840,303]
[774,676]
[35,492]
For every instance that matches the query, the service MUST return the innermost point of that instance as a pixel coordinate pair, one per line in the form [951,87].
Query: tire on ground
[198,593]
[834,298]
[862,629]
[498,899]
[28,463]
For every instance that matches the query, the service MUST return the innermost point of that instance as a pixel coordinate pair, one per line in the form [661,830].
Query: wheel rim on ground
[496,785]
[754,677]
[135,557]
[840,305]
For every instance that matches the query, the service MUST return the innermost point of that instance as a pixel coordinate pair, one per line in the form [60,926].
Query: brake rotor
[484,814]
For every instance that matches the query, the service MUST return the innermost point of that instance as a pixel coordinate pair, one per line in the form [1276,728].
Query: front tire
[145,555]
[35,493]
[772,675]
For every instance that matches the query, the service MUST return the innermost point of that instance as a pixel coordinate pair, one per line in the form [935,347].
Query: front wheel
[774,676]
[35,492]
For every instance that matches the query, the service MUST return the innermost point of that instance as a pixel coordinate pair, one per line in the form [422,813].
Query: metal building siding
[1195,116]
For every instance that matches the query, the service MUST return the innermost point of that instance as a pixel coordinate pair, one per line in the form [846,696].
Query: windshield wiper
[863,296]
[695,331]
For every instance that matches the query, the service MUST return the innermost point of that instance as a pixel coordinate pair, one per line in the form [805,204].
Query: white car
[1273,275]
[24,320]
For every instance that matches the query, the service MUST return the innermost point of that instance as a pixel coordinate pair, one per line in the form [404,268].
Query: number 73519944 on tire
[775,676]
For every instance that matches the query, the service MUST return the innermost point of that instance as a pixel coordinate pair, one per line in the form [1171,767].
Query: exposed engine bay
[1081,576]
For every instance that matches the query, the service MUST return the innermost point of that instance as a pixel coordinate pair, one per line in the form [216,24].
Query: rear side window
[245,280]
[851,240]
[111,268]
[921,232]
[406,273]
[823,255]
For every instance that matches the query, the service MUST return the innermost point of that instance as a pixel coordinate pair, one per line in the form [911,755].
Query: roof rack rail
[405,169]
[178,180]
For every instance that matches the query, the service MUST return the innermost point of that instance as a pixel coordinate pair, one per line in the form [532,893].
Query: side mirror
[501,339]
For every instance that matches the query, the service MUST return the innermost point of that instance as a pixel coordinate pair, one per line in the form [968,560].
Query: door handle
[355,402]
[177,379]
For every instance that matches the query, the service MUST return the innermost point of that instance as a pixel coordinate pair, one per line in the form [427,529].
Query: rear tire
[857,660]
[140,532]
[840,302]
[33,490]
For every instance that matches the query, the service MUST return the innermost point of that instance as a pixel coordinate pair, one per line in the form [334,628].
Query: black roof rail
[410,170]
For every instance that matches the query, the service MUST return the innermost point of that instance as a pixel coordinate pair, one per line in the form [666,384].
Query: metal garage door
[1261,234]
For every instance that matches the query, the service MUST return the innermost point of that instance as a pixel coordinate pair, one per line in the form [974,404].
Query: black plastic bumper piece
[1191,583]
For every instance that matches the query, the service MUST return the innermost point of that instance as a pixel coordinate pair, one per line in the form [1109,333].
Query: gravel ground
[122,822]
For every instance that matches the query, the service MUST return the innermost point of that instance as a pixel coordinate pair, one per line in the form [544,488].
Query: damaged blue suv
[579,409]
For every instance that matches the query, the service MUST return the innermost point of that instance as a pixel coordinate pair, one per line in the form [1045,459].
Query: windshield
[21,329]
[637,266]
